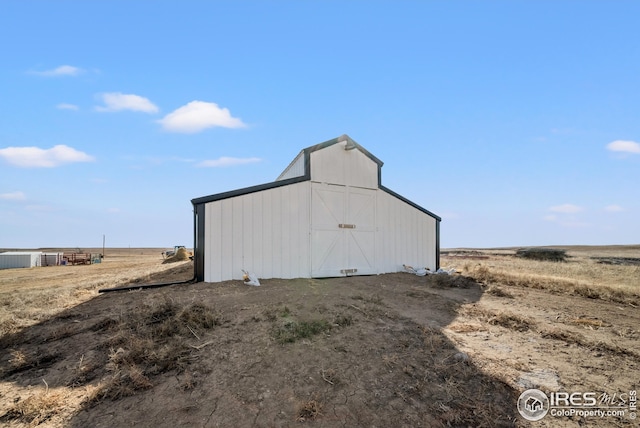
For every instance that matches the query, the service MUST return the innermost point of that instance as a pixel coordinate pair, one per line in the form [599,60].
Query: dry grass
[291,331]
[466,327]
[591,323]
[152,339]
[578,339]
[28,296]
[497,291]
[582,275]
[309,410]
[37,408]
[501,318]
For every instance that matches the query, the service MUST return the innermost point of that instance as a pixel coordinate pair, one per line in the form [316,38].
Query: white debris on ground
[427,271]
[250,279]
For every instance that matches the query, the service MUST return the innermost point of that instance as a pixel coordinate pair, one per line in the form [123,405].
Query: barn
[20,259]
[326,215]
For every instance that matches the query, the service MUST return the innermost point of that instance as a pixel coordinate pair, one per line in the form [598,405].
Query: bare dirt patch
[388,350]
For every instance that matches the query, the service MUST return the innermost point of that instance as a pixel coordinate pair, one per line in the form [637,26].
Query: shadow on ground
[358,351]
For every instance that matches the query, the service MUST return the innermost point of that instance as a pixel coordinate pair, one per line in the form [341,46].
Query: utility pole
[103,246]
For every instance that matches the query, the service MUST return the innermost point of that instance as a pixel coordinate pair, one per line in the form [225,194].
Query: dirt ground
[379,351]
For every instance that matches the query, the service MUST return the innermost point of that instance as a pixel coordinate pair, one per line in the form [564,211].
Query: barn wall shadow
[387,363]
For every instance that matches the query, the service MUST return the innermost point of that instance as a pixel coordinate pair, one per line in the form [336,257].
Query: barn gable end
[326,215]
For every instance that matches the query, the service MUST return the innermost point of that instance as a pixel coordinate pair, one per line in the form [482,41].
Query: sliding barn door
[343,231]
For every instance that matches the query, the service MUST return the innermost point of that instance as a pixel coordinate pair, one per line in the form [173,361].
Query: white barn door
[343,228]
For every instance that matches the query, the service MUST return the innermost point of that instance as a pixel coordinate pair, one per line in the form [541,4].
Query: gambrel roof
[300,169]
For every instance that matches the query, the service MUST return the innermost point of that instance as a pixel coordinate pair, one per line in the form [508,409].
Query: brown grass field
[388,350]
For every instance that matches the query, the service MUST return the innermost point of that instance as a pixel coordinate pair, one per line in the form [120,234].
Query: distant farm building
[326,215]
[29,259]
[20,259]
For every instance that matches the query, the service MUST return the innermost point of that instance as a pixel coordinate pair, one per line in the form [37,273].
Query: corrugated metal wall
[10,260]
[335,165]
[265,232]
[406,235]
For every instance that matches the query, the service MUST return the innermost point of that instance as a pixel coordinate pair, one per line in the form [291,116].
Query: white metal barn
[326,215]
[20,259]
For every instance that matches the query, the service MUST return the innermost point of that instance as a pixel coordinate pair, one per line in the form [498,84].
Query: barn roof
[305,156]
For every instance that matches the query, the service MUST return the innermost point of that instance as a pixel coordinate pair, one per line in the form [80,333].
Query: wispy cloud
[564,215]
[624,146]
[116,101]
[613,208]
[35,157]
[566,221]
[66,106]
[63,70]
[566,209]
[13,196]
[197,116]
[227,161]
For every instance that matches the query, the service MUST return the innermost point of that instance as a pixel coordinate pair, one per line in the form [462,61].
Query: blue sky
[515,121]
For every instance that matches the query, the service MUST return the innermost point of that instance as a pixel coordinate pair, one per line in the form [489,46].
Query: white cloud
[13,196]
[566,221]
[566,209]
[115,101]
[36,157]
[198,116]
[63,70]
[624,146]
[227,161]
[613,208]
[65,106]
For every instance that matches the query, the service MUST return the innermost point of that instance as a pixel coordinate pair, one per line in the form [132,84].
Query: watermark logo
[533,404]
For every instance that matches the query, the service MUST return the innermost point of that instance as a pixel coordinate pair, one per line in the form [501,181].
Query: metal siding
[256,234]
[335,165]
[267,237]
[264,232]
[285,230]
[276,227]
[226,237]
[405,235]
[384,224]
[247,259]
[218,250]
[11,260]
[208,242]
[303,223]
[213,245]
